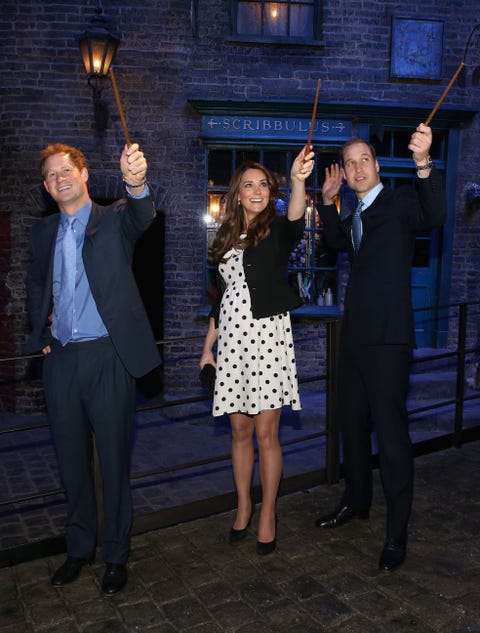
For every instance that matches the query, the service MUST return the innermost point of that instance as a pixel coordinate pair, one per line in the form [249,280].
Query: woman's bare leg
[271,464]
[242,462]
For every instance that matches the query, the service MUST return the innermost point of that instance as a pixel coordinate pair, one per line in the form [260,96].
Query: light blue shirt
[369,198]
[87,322]
[371,195]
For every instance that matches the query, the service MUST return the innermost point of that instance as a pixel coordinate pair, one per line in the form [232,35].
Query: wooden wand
[444,94]
[119,105]
[314,114]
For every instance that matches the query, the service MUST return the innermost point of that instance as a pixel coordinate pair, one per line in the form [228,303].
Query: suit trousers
[89,394]
[373,387]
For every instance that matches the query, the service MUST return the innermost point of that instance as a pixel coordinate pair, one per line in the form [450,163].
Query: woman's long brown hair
[228,234]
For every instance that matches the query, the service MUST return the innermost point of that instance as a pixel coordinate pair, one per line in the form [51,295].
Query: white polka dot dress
[256,367]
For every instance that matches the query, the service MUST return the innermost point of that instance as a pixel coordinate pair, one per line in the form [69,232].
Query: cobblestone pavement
[187,578]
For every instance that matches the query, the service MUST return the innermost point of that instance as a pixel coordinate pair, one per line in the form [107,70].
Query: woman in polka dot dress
[250,325]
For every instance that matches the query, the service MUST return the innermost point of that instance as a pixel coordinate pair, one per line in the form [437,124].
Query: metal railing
[329,474]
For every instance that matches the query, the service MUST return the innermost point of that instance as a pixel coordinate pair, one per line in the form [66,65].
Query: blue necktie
[357,226]
[67,285]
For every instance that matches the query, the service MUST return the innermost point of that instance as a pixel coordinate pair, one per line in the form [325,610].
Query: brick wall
[161,64]
[7,368]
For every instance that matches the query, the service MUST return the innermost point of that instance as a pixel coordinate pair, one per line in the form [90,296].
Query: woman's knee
[267,438]
[241,436]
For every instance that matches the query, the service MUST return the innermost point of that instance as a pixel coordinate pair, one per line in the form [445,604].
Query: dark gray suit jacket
[378,303]
[108,248]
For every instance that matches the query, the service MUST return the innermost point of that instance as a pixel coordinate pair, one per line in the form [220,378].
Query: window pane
[401,142]
[276,162]
[245,155]
[219,168]
[382,141]
[249,18]
[421,255]
[284,18]
[276,18]
[301,21]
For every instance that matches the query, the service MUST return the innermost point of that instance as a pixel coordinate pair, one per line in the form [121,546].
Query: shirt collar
[371,195]
[82,215]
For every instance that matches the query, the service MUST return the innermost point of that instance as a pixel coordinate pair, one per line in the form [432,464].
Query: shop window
[312,268]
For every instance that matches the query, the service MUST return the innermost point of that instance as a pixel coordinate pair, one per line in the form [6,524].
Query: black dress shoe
[114,579]
[263,549]
[341,516]
[234,535]
[68,572]
[393,555]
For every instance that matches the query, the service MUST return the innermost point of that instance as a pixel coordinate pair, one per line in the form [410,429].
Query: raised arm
[301,169]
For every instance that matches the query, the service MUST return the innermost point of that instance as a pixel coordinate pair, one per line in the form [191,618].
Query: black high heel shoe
[263,549]
[238,535]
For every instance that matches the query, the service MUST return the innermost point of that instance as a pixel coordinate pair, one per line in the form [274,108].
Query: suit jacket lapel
[93,221]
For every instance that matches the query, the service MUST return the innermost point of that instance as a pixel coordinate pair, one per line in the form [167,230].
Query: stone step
[426,385]
[424,362]
[441,419]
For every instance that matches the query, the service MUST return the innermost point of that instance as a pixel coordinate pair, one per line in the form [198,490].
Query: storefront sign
[274,128]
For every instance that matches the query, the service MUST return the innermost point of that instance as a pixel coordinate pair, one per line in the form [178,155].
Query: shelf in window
[274,41]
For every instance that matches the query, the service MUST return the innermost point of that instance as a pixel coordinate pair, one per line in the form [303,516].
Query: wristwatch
[428,165]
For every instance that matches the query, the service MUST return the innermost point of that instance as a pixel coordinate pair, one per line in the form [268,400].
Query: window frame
[286,40]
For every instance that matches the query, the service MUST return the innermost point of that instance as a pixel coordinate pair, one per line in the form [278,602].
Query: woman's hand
[303,165]
[206,359]
[301,169]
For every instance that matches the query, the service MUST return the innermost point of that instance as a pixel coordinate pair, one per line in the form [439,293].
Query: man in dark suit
[377,336]
[88,320]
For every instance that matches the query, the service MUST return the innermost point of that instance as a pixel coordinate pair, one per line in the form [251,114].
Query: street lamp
[98,47]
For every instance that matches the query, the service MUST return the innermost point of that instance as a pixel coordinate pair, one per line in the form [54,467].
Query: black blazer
[108,248]
[265,268]
[378,303]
